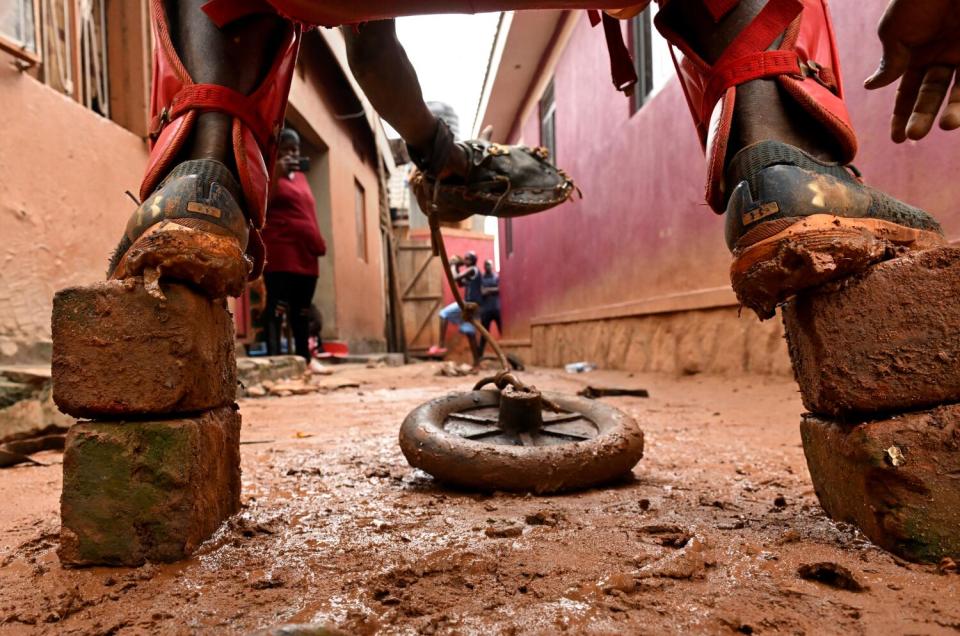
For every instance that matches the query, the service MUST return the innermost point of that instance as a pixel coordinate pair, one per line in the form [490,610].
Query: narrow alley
[709,536]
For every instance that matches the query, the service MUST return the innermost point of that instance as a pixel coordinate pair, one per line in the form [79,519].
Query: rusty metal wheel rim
[454,439]
[481,424]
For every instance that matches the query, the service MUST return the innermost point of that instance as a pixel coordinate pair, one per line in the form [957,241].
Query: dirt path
[337,528]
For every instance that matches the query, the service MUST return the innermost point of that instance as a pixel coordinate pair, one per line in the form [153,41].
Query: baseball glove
[503,181]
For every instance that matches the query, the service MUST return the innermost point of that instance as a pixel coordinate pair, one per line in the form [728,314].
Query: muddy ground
[707,538]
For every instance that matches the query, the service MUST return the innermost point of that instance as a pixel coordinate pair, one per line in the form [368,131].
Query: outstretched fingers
[950,120]
[893,64]
[930,96]
[896,56]
[907,94]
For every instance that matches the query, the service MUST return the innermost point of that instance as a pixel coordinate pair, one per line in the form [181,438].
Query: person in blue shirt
[467,276]
[470,279]
[490,303]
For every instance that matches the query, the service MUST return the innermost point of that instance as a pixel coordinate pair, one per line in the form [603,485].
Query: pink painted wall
[922,173]
[642,229]
[458,244]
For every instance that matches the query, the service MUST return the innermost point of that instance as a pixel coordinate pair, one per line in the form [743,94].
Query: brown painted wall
[63,173]
[358,308]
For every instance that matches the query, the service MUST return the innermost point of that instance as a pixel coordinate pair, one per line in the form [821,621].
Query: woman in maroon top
[294,244]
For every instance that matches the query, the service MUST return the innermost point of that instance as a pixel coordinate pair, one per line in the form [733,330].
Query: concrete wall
[698,341]
[358,309]
[325,296]
[642,242]
[63,173]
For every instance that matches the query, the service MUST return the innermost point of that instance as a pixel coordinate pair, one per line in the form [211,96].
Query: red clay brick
[147,491]
[117,351]
[884,341]
[895,479]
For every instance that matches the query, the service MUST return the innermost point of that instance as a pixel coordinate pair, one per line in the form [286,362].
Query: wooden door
[421,292]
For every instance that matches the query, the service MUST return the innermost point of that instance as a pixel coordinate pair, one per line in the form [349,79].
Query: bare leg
[238,56]
[194,144]
[443,334]
[474,347]
[762,111]
[383,70]
[779,147]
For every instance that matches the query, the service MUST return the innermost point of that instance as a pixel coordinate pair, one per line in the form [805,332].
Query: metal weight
[506,440]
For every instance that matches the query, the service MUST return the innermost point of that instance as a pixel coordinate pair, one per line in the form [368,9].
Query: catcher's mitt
[504,181]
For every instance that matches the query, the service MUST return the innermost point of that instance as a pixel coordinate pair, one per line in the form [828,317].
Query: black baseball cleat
[794,222]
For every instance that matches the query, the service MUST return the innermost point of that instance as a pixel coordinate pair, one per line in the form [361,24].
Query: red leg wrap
[805,64]
[257,120]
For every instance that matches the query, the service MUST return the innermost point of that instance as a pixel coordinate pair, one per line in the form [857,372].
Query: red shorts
[335,12]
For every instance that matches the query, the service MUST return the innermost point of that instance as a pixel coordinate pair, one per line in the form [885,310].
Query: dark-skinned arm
[466,274]
[381,66]
[488,291]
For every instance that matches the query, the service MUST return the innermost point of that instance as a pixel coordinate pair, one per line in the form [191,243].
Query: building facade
[635,275]
[72,143]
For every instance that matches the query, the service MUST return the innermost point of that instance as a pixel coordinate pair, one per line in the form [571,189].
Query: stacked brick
[877,357]
[155,468]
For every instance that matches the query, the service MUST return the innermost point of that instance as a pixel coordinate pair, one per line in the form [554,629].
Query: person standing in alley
[490,303]
[470,279]
[466,275]
[293,245]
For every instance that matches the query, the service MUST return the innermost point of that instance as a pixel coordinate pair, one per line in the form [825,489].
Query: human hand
[921,48]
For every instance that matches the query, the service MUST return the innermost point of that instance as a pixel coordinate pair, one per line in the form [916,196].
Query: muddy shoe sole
[815,250]
[204,256]
[192,229]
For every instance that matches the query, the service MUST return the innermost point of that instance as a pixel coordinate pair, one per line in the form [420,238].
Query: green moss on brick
[130,489]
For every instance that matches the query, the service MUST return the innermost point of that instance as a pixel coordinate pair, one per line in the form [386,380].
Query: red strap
[224,12]
[747,57]
[621,63]
[746,69]
[759,35]
[211,97]
[719,8]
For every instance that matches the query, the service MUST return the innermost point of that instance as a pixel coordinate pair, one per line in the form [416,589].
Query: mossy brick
[147,490]
[884,341]
[118,351]
[896,479]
